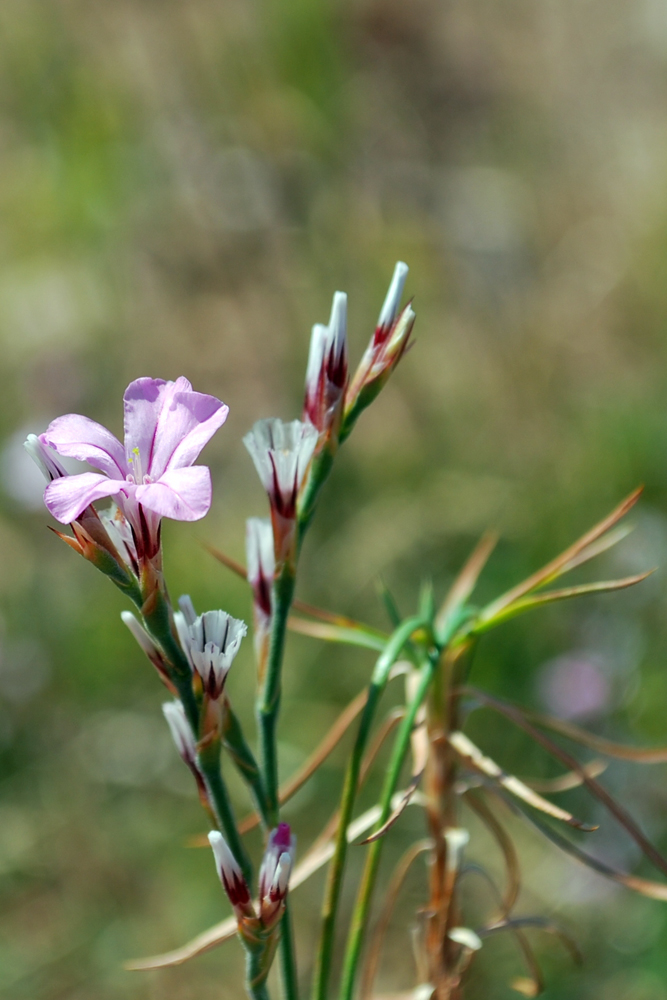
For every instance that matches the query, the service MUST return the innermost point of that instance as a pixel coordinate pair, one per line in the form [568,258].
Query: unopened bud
[149,647]
[231,877]
[274,874]
[181,732]
[282,453]
[387,346]
[46,458]
[326,375]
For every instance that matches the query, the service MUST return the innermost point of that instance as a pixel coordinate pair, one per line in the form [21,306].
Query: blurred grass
[182,187]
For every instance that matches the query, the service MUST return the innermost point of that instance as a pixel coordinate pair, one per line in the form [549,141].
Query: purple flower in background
[152,475]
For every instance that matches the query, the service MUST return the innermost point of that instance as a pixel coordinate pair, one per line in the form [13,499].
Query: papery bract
[211,642]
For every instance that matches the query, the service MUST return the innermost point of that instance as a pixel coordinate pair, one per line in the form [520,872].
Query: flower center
[137,475]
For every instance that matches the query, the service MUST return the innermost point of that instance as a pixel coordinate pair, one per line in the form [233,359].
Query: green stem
[209,765]
[268,707]
[378,682]
[319,473]
[268,702]
[256,976]
[361,911]
[288,956]
[244,760]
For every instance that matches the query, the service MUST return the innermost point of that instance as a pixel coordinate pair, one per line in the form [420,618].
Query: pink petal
[190,422]
[143,401]
[79,437]
[168,423]
[182,494]
[67,497]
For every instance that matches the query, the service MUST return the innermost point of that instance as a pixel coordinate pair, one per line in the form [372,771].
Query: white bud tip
[215,838]
[466,937]
[389,309]
[187,608]
[338,318]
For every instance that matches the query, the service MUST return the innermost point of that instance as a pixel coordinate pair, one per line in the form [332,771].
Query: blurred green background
[182,188]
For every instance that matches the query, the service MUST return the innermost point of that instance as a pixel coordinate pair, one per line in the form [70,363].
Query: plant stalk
[378,682]
[401,747]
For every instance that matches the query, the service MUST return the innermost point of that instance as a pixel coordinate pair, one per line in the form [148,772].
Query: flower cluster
[152,475]
[274,877]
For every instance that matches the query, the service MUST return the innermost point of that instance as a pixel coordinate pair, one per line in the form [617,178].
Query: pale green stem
[401,747]
[378,682]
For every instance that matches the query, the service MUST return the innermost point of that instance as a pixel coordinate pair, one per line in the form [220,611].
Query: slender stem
[335,876]
[255,975]
[209,765]
[317,477]
[243,758]
[287,955]
[360,916]
[268,702]
[268,707]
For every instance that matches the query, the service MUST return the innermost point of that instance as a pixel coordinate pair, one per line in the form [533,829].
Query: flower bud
[181,733]
[119,531]
[385,350]
[231,877]
[46,458]
[326,375]
[282,453]
[260,567]
[274,874]
[149,647]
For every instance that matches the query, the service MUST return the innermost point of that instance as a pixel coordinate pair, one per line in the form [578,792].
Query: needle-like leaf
[572,556]
[491,616]
[565,782]
[473,757]
[464,584]
[478,804]
[397,812]
[352,634]
[643,886]
[641,755]
[515,715]
[379,931]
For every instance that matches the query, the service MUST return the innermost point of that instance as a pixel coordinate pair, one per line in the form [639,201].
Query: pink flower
[152,475]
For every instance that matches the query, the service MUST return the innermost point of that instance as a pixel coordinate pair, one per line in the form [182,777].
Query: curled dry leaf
[473,757]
